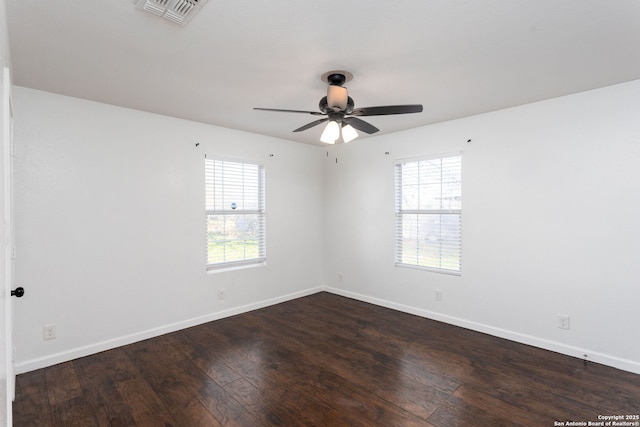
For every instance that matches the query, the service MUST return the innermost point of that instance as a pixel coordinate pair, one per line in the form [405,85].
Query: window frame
[211,208]
[401,214]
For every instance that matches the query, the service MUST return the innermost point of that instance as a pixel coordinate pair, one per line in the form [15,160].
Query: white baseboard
[75,353]
[604,359]
[53,359]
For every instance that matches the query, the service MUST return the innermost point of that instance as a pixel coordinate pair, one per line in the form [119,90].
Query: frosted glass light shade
[330,133]
[348,133]
[337,97]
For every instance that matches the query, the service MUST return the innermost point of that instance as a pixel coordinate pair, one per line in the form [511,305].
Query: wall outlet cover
[49,332]
[563,321]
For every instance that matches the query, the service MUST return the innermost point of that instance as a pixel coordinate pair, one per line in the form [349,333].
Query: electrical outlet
[340,277]
[220,294]
[563,321]
[49,332]
[437,294]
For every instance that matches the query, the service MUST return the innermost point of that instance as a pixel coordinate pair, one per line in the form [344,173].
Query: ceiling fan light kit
[348,133]
[331,133]
[338,106]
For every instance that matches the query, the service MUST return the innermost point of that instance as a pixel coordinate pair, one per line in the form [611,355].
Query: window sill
[225,268]
[431,269]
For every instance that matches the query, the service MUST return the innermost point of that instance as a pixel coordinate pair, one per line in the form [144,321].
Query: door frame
[9,244]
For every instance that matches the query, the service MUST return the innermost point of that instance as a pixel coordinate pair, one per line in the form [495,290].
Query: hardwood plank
[541,395]
[267,408]
[360,403]
[147,409]
[221,403]
[256,402]
[162,369]
[455,412]
[500,408]
[98,374]
[197,346]
[75,412]
[31,406]
[177,380]
[384,382]
[579,381]
[62,383]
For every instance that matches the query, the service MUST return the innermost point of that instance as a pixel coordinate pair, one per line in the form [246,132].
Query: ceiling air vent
[178,11]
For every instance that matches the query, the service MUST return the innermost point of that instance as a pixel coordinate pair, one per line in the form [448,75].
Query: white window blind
[429,213]
[235,211]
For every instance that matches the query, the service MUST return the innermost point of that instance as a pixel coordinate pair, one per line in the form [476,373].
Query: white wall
[111,242]
[551,223]
[111,233]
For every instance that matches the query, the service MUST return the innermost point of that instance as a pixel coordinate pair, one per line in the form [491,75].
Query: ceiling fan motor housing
[324,106]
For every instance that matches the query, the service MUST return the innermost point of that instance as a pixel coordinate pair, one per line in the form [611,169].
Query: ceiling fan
[342,117]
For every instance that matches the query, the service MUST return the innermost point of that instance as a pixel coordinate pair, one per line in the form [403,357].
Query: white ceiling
[456,57]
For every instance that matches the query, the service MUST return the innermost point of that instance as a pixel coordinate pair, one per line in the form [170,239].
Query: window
[235,211]
[429,212]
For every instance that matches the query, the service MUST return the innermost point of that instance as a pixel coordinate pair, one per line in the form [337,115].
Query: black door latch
[18,292]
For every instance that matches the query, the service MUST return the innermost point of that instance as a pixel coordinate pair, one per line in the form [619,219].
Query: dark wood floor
[323,360]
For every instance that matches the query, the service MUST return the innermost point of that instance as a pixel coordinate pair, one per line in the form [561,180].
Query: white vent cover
[178,11]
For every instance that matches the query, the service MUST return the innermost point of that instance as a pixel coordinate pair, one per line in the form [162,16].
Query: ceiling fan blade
[312,124]
[361,125]
[315,113]
[387,110]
